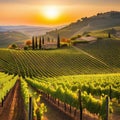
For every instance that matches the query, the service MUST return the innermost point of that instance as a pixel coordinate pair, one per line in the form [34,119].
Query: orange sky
[30,13]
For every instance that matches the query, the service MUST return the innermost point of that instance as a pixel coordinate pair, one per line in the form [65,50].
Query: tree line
[38,42]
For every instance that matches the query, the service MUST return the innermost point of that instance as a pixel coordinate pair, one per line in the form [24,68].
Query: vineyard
[105,50]
[50,63]
[78,78]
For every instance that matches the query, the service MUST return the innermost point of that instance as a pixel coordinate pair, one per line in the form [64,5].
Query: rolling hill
[17,34]
[101,56]
[9,37]
[97,22]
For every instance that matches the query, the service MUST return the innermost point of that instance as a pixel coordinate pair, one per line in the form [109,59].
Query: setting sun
[51,12]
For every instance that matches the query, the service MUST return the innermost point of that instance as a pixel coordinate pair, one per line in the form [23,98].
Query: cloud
[65,2]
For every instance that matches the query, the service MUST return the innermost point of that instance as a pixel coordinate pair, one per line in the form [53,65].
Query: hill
[97,22]
[29,30]
[105,50]
[52,63]
[9,37]
[17,34]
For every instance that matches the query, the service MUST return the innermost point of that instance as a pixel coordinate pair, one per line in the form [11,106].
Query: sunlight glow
[51,12]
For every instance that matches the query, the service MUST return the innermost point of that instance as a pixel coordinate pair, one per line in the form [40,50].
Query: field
[59,74]
[50,63]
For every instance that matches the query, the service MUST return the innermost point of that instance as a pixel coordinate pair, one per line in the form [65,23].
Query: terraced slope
[50,63]
[106,50]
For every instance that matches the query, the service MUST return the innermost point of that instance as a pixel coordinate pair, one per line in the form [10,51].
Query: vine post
[80,104]
[2,102]
[110,94]
[107,108]
[30,108]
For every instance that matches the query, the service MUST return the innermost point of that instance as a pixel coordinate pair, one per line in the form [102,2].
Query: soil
[13,105]
[58,113]
[13,109]
[53,113]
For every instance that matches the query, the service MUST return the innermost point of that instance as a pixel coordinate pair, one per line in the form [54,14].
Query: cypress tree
[109,35]
[33,45]
[43,40]
[58,41]
[36,45]
[40,43]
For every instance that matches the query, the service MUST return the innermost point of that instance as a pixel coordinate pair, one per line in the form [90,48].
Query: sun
[51,12]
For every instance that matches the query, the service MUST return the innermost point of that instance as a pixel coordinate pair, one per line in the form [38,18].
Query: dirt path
[53,113]
[57,113]
[60,114]
[93,57]
[19,112]
[13,106]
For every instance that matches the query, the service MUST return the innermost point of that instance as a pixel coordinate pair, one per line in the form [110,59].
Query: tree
[64,40]
[40,43]
[33,44]
[58,41]
[36,45]
[13,46]
[28,43]
[25,47]
[43,40]
[109,35]
[84,18]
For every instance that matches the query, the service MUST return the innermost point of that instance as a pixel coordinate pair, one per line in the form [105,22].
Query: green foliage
[39,108]
[106,50]
[13,46]
[54,63]
[6,84]
[25,92]
[65,88]
[26,47]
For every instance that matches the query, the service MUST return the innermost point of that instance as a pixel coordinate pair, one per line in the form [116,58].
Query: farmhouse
[49,45]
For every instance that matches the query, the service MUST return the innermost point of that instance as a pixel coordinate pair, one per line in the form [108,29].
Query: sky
[51,12]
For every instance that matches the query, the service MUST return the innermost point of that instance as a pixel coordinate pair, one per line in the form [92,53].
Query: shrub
[13,46]
[25,47]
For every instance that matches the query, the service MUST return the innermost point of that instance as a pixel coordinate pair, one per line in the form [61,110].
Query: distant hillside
[9,37]
[100,21]
[16,34]
[29,30]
